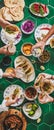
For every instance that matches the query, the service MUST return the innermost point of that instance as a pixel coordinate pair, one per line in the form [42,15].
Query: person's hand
[40,44]
[4,24]
[4,50]
[51,77]
[11,101]
[19,72]
[9,75]
[45,98]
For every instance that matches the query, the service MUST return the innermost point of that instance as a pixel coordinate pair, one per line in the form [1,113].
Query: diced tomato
[45,9]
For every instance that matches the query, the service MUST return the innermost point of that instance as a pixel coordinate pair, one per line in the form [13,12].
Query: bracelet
[1,73]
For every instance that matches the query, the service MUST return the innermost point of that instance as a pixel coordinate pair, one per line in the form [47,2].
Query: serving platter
[27,67]
[41,31]
[9,91]
[9,113]
[39,14]
[37,114]
[42,77]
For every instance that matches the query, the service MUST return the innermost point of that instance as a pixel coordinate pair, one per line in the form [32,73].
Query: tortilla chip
[6,14]
[10,3]
[21,3]
[19,17]
[1,12]
[15,11]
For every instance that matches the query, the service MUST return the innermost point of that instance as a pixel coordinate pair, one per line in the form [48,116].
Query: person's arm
[4,50]
[51,32]
[6,103]
[42,43]
[5,74]
[11,101]
[18,73]
[8,75]
[3,23]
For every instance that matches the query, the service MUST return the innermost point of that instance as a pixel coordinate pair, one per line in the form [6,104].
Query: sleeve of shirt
[1,73]
[3,106]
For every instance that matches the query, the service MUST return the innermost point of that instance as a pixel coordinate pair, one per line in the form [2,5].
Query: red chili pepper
[36,7]
[44,8]
[45,28]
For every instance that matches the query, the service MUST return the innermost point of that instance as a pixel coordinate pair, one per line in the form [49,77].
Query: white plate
[9,91]
[6,41]
[36,115]
[38,14]
[47,76]
[21,59]
[42,29]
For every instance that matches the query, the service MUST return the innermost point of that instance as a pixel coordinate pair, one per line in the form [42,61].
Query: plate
[45,77]
[10,90]
[41,31]
[37,113]
[6,40]
[46,10]
[27,67]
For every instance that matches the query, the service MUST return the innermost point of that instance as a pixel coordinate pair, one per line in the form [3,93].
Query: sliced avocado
[34,107]
[31,113]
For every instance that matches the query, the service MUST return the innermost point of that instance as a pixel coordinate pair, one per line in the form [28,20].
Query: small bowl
[6,61]
[52,43]
[30,93]
[26,49]
[37,52]
[27,27]
[45,57]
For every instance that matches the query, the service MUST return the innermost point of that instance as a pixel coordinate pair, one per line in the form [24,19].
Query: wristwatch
[1,73]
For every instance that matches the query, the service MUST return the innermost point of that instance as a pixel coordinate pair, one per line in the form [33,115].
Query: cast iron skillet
[8,126]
